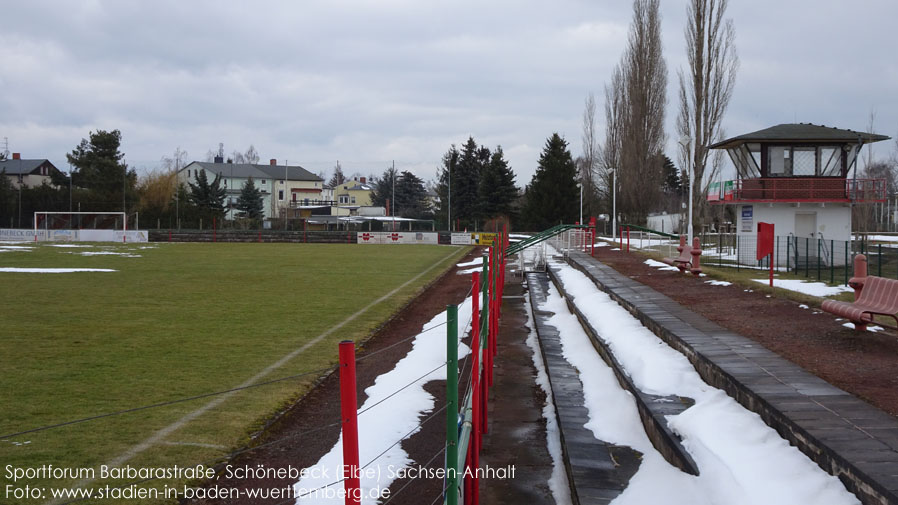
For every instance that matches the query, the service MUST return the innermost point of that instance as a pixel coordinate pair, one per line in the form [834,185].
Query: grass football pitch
[174,321]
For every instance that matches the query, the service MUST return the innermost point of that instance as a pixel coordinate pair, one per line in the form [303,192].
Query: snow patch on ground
[469,271]
[477,261]
[52,270]
[874,328]
[558,482]
[391,420]
[719,283]
[661,266]
[107,253]
[741,459]
[809,288]
[68,246]
[803,306]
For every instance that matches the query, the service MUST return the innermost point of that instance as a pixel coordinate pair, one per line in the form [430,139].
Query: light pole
[580,185]
[685,141]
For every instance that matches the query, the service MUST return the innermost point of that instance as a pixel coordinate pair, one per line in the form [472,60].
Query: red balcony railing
[804,189]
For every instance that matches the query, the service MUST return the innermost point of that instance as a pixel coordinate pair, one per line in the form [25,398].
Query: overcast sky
[370,81]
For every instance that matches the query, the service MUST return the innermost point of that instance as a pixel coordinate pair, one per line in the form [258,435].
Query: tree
[673,182]
[496,189]
[156,196]
[552,196]
[338,178]
[445,190]
[411,197]
[250,204]
[587,168]
[209,198]
[706,90]
[99,167]
[465,181]
[643,80]
[382,195]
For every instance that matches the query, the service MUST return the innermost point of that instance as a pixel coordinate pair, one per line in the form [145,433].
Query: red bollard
[628,239]
[857,282]
[696,256]
[169,235]
[349,415]
[621,235]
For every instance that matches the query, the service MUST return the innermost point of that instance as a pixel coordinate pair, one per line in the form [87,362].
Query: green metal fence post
[807,257]
[452,405]
[818,259]
[832,262]
[788,254]
[846,262]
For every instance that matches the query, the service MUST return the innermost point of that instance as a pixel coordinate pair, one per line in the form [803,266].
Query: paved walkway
[517,433]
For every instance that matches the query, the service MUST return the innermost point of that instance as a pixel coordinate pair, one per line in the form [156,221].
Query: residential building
[28,173]
[354,193]
[283,187]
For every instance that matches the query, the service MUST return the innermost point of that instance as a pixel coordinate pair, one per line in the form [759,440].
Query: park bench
[878,296]
[688,258]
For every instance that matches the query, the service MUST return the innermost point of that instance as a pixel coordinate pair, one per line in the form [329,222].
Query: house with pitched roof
[28,173]
[283,187]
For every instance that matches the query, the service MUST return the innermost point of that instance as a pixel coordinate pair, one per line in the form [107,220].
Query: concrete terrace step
[652,408]
[597,471]
[846,436]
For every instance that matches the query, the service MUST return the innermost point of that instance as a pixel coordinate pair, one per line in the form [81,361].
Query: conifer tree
[496,191]
[552,197]
[249,204]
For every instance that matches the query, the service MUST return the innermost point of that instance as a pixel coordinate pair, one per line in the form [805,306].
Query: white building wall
[832,229]
[833,220]
[667,223]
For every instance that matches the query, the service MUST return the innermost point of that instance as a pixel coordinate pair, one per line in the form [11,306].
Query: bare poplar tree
[642,138]
[706,90]
[590,160]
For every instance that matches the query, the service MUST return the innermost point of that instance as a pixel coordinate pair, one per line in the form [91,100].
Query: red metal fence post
[214,236]
[349,415]
[475,390]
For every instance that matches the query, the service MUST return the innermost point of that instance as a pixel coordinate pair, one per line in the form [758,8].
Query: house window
[280,194]
[188,173]
[353,199]
[263,182]
[344,199]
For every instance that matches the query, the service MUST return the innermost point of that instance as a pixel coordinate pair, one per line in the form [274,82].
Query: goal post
[47,220]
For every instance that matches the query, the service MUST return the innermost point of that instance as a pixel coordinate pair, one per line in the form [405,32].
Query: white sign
[748,219]
[461,239]
[397,237]
[76,235]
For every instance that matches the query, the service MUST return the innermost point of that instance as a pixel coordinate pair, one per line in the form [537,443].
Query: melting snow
[391,420]
[809,288]
[742,460]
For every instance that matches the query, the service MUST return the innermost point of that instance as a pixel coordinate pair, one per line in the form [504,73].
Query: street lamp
[580,185]
[685,140]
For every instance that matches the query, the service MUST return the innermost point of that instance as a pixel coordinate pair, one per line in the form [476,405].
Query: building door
[806,235]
